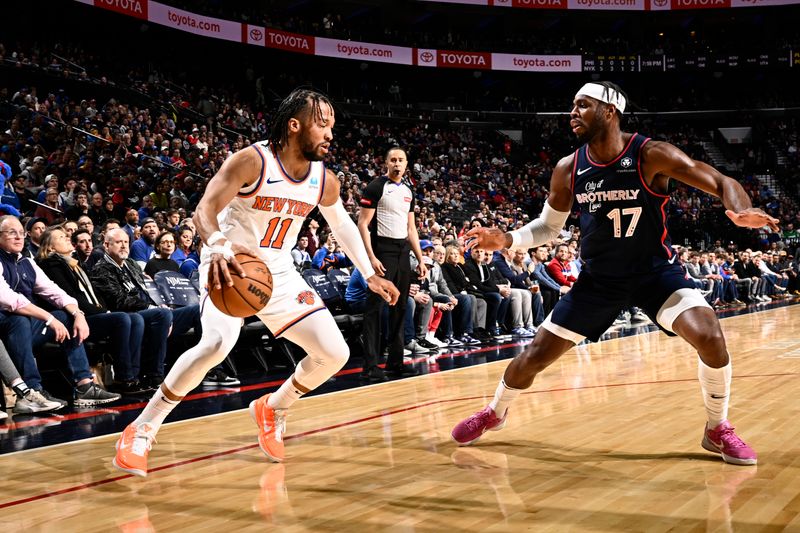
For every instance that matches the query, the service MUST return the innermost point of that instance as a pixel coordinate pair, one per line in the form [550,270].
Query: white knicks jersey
[266,216]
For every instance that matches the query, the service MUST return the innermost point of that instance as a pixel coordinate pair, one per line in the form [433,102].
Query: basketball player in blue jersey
[619,182]
[256,205]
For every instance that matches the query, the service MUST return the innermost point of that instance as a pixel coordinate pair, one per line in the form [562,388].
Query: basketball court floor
[607,439]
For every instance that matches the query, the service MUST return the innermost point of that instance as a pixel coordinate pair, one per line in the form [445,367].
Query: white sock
[285,396]
[503,396]
[157,409]
[716,386]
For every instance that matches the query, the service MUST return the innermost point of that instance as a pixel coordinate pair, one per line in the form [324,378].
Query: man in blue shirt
[143,248]
[551,291]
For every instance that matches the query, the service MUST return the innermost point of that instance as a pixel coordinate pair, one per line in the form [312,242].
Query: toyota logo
[660,3]
[256,35]
[426,57]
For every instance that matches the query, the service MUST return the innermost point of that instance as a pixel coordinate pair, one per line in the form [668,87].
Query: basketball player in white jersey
[256,205]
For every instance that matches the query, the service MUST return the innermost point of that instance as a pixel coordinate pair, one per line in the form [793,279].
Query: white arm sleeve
[346,233]
[540,230]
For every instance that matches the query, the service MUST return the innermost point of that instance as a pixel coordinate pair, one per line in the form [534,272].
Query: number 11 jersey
[267,214]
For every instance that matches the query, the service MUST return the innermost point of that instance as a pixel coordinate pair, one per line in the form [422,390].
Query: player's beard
[589,132]
[309,150]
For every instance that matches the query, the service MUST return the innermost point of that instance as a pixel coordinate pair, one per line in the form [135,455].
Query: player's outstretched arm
[544,228]
[663,160]
[238,171]
[347,235]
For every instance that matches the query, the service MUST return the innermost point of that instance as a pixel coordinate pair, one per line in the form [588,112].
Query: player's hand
[490,239]
[378,266]
[384,288]
[422,270]
[753,218]
[220,271]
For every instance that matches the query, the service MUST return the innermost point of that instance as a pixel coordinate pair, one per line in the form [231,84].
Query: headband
[604,94]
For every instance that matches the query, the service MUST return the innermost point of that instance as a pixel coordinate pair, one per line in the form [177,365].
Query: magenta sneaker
[724,441]
[470,429]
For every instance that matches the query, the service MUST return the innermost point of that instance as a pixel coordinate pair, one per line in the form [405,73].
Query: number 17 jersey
[623,222]
[267,214]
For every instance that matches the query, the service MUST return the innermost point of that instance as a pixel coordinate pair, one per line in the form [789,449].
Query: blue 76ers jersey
[267,214]
[623,222]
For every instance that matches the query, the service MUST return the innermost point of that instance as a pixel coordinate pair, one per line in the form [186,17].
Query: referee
[387,225]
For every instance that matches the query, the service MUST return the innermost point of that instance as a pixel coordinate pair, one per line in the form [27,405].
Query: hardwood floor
[607,439]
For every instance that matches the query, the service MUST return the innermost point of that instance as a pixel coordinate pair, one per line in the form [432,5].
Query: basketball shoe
[470,429]
[133,448]
[724,441]
[271,427]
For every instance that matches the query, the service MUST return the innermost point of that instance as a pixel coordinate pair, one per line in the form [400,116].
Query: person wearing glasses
[24,326]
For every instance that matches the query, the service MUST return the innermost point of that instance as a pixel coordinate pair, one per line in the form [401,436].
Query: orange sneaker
[271,427]
[133,447]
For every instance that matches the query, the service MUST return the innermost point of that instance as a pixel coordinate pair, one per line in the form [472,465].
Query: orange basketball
[247,296]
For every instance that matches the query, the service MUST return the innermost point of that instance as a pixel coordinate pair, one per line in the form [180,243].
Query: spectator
[184,245]
[82,243]
[120,281]
[162,260]
[85,222]
[484,288]
[146,211]
[460,305]
[190,265]
[300,256]
[79,208]
[97,211]
[462,289]
[329,255]
[550,289]
[99,251]
[124,331]
[28,400]
[527,310]
[23,196]
[131,224]
[143,249]
[313,236]
[559,268]
[35,228]
[24,326]
[51,210]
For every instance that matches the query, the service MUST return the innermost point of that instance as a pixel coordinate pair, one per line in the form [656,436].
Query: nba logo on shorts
[626,162]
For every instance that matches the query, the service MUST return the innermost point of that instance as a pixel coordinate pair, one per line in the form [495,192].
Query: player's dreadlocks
[299,103]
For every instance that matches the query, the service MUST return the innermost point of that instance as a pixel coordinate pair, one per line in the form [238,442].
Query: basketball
[247,296]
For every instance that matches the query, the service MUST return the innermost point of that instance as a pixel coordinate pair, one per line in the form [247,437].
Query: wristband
[214,238]
[224,250]
[78,312]
[49,321]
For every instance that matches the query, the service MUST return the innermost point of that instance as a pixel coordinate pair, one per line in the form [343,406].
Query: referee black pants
[393,253]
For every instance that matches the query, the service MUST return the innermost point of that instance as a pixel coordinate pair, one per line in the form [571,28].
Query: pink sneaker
[724,441]
[470,429]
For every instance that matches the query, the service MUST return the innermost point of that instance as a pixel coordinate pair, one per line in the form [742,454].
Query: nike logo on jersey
[270,182]
[580,172]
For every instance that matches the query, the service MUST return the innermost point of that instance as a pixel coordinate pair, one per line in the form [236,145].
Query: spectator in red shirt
[560,269]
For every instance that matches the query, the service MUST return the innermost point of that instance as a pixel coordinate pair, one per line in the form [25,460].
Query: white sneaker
[34,402]
[640,316]
[430,337]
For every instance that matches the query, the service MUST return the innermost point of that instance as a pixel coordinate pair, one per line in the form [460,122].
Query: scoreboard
[689,62]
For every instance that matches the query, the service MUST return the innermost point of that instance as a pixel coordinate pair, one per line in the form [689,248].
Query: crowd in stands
[99,197]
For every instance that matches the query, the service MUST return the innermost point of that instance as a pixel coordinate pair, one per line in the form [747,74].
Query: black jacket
[471,269]
[62,275]
[123,289]
[455,278]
